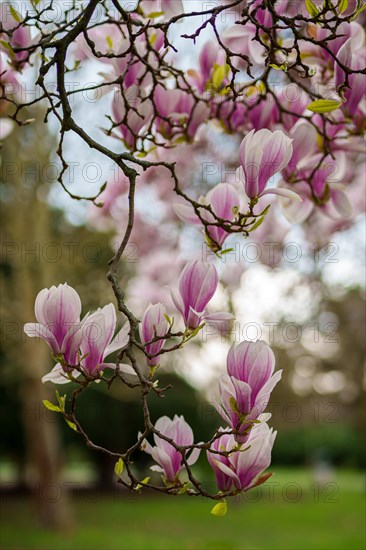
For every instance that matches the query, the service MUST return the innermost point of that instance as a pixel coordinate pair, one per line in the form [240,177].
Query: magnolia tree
[272,92]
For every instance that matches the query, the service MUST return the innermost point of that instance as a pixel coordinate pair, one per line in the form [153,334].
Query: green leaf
[195,331]
[282,67]
[180,139]
[109,41]
[155,14]
[152,38]
[257,224]
[168,319]
[142,483]
[311,7]
[15,14]
[234,405]
[219,73]
[72,425]
[324,105]
[118,468]
[7,46]
[184,489]
[50,406]
[342,6]
[61,400]
[219,509]
[264,212]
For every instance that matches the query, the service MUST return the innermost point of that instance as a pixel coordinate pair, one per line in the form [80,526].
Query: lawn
[292,513]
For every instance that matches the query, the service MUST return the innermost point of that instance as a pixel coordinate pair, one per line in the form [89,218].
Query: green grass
[300,517]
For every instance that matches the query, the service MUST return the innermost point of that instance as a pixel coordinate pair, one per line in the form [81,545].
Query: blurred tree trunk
[27,229]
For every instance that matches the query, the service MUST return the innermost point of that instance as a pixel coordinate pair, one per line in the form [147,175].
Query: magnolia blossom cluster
[81,345]
[239,457]
[86,342]
[75,342]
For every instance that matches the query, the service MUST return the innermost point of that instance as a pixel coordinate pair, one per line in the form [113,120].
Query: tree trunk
[27,229]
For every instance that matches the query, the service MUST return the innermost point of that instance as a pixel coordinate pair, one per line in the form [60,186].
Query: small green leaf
[152,38]
[324,105]
[61,401]
[311,7]
[218,75]
[234,405]
[342,6]
[220,509]
[264,212]
[196,331]
[118,468]
[6,45]
[282,67]
[50,406]
[72,425]
[142,483]
[235,210]
[169,320]
[109,41]
[184,489]
[180,139]
[15,14]
[257,224]
[155,14]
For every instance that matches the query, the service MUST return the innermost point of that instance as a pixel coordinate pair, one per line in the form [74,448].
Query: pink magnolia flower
[304,145]
[132,121]
[168,8]
[240,39]
[293,101]
[153,324]
[245,390]
[263,154]
[107,38]
[197,285]
[169,460]
[20,35]
[223,199]
[179,113]
[264,16]
[98,342]
[10,85]
[242,469]
[58,311]
[263,114]
[319,56]
[232,114]
[326,190]
[85,343]
[211,54]
[352,55]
